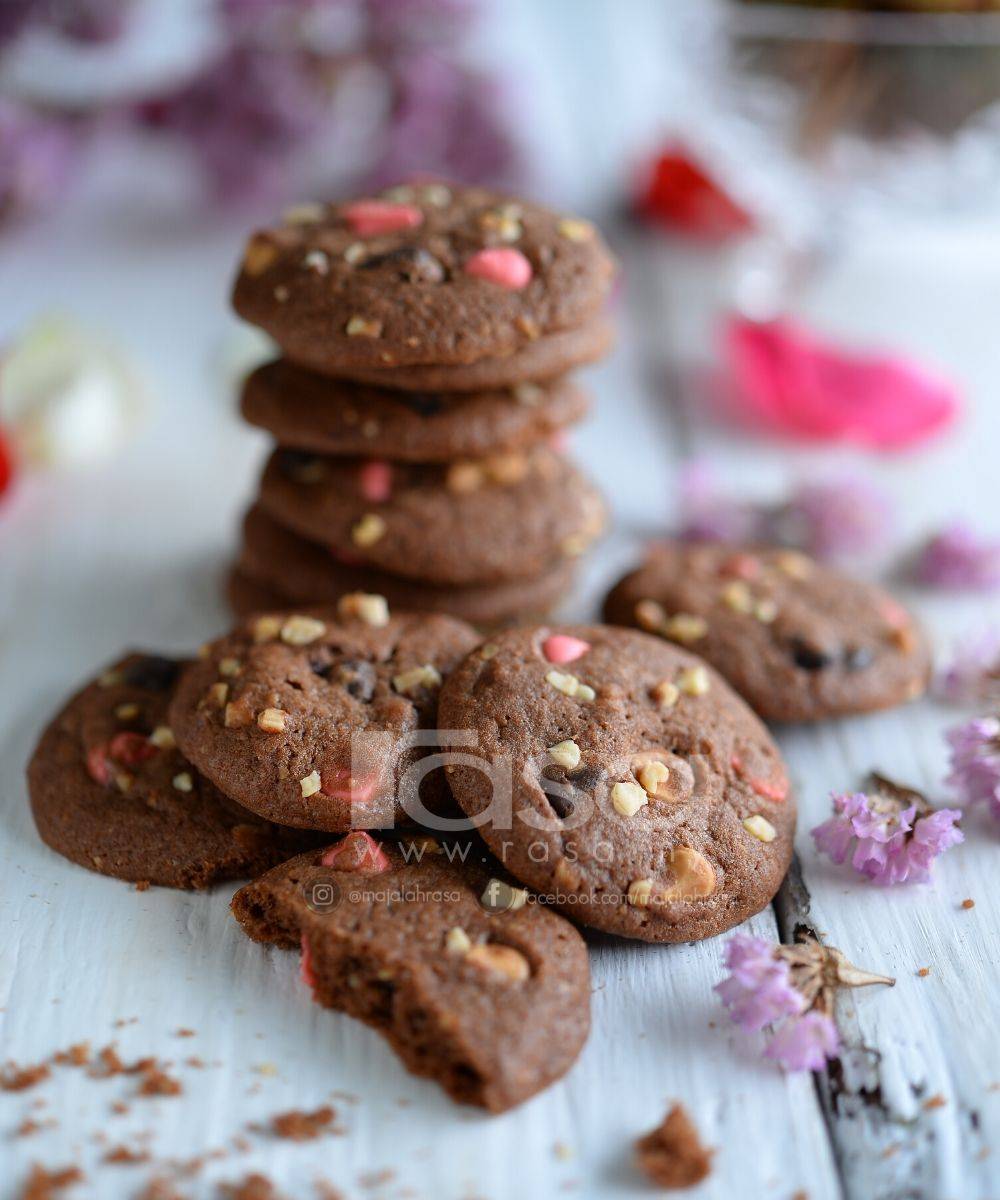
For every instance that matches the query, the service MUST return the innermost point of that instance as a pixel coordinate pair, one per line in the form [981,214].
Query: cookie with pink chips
[620,777]
[313,718]
[430,285]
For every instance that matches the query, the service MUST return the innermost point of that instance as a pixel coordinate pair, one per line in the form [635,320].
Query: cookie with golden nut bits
[431,286]
[111,791]
[476,521]
[470,983]
[621,777]
[798,640]
[286,565]
[307,411]
[314,718]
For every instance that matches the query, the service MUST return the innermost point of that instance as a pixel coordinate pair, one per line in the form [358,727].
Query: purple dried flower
[805,1043]
[975,762]
[885,838]
[707,516]
[826,520]
[836,518]
[37,156]
[444,121]
[758,990]
[247,118]
[792,988]
[957,557]
[973,675]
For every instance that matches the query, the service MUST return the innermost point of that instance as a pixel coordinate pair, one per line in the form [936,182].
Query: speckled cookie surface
[308,411]
[310,718]
[796,639]
[476,521]
[494,1005]
[646,798]
[420,275]
[306,572]
[110,791]
[547,357]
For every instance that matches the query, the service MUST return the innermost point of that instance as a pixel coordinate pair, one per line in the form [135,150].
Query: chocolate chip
[585,779]
[357,678]
[809,658]
[413,263]
[152,673]
[299,465]
[422,403]
[856,658]
[561,804]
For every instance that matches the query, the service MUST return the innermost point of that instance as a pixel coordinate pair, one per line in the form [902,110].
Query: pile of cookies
[616,778]
[420,405]
[610,778]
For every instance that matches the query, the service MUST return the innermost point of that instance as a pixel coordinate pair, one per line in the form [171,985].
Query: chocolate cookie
[796,639]
[313,719]
[547,358]
[471,986]
[424,275]
[477,521]
[300,571]
[110,791]
[312,412]
[620,777]
[246,595]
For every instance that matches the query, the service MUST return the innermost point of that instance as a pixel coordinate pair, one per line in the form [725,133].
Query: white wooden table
[132,554]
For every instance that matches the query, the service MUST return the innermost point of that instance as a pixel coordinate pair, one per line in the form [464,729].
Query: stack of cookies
[420,404]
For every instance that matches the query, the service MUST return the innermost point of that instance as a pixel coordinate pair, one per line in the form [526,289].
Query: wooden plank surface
[132,555]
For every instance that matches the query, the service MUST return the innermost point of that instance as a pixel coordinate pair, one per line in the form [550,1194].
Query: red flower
[680,195]
[785,379]
[6,464]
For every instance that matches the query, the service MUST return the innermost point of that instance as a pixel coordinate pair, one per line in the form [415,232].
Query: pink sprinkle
[560,648]
[376,480]
[340,784]
[509,268]
[770,791]
[369,217]
[98,767]
[306,973]
[741,566]
[358,851]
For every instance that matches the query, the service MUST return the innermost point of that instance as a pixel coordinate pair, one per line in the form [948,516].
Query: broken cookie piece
[672,1154]
[490,1000]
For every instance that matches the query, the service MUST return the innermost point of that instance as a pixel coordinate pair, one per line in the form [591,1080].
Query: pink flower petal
[788,381]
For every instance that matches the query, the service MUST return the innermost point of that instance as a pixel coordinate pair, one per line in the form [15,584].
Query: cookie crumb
[156,1082]
[125,1157]
[968,903]
[672,1154]
[300,1126]
[924,972]
[251,1187]
[935,1101]
[46,1185]
[19,1079]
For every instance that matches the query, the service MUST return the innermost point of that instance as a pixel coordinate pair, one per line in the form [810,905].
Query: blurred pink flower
[975,763]
[957,557]
[828,519]
[786,380]
[973,675]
